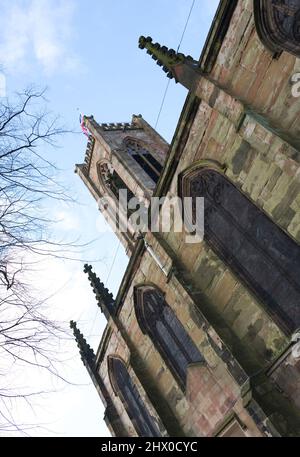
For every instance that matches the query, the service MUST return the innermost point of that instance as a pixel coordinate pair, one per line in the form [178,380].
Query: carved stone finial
[166,58]
[87,268]
[86,352]
[104,297]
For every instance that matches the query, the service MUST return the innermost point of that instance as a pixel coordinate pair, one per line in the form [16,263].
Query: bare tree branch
[27,336]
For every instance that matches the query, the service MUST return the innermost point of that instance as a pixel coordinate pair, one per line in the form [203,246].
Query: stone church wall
[252,73]
[249,381]
[203,406]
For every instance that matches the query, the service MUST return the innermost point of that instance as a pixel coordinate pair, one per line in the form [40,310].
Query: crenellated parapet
[119,126]
[89,152]
[91,124]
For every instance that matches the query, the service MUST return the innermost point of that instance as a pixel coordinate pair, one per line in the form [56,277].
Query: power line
[186,24]
[157,120]
[178,47]
[162,103]
[113,262]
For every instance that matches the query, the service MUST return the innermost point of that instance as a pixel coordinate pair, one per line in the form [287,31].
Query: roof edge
[217,34]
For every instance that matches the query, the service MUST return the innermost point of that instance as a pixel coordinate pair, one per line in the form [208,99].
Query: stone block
[294,226]
[223,290]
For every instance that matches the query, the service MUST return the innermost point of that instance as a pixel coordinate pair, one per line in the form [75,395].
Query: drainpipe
[154,255]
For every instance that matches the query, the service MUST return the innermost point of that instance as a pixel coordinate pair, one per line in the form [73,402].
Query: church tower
[203,339]
[122,156]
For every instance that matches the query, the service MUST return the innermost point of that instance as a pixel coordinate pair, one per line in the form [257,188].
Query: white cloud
[67,220]
[39,30]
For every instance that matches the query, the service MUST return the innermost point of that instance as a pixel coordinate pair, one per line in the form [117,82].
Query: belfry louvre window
[131,399]
[113,181]
[168,335]
[144,158]
[265,258]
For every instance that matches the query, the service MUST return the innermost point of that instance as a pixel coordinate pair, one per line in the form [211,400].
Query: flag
[82,125]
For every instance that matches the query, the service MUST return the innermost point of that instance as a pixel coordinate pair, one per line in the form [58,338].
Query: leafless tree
[27,336]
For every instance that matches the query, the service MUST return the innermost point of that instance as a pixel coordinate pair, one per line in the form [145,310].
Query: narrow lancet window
[158,320]
[136,409]
[144,158]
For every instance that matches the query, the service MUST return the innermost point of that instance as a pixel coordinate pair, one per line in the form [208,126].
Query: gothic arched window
[112,180]
[135,407]
[144,158]
[278,24]
[159,322]
[247,240]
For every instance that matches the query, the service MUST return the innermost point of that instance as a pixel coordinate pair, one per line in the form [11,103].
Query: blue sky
[86,54]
